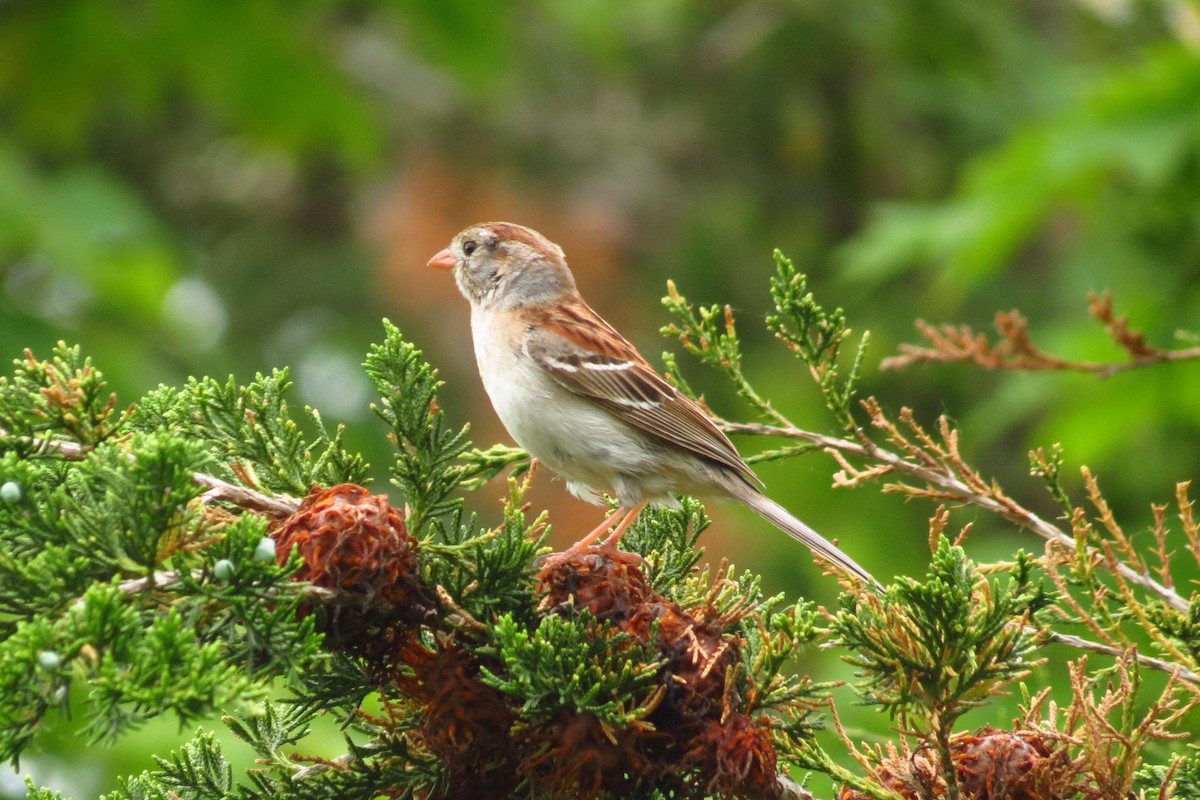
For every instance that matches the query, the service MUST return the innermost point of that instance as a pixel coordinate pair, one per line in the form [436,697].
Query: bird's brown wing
[586,355]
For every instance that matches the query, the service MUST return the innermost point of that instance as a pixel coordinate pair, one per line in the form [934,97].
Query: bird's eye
[469,247]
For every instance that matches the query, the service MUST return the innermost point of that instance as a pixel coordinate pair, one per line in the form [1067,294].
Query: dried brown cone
[994,764]
[356,545]
[607,582]
[699,653]
[575,755]
[697,725]
[989,764]
[911,775]
[738,753]
[466,723]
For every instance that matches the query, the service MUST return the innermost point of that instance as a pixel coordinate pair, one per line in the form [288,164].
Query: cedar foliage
[185,555]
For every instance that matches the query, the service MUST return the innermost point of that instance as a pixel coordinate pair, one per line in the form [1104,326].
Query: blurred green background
[190,187]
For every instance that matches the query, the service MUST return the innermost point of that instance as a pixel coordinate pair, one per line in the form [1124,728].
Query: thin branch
[244,498]
[167,579]
[951,487]
[218,490]
[787,789]
[1117,652]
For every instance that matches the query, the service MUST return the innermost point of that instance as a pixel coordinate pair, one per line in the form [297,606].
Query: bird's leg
[623,518]
[623,525]
[586,541]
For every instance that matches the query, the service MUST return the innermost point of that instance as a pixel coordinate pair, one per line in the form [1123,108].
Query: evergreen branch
[709,334]
[218,490]
[427,468]
[250,433]
[952,487]
[61,396]
[816,335]
[173,579]
[947,481]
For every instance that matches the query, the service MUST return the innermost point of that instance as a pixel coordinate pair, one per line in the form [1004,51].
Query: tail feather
[781,518]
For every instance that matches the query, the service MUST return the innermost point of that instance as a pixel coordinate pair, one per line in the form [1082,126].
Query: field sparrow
[583,401]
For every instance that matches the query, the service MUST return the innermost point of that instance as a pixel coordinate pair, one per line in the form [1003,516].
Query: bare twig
[342,763]
[1119,652]
[242,497]
[787,789]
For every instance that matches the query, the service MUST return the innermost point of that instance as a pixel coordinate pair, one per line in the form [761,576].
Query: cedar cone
[357,545]
[737,753]
[732,755]
[605,581]
[466,722]
[911,775]
[1001,765]
[990,765]
[574,755]
[610,584]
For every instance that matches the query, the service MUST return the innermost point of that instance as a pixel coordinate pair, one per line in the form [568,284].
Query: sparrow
[583,401]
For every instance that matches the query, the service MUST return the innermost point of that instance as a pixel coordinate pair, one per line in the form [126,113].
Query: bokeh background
[189,187]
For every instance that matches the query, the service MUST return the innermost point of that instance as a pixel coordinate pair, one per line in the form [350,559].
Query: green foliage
[127,580]
[774,634]
[198,770]
[433,460]
[123,509]
[709,334]
[930,650]
[575,664]
[490,573]
[1183,773]
[251,435]
[816,335]
[1184,627]
[137,664]
[427,448]
[61,396]
[810,331]
[668,539]
[39,793]
[107,566]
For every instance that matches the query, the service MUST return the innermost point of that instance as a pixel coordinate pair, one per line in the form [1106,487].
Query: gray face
[502,265]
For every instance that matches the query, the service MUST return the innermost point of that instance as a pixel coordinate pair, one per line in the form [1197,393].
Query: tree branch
[953,488]
[218,490]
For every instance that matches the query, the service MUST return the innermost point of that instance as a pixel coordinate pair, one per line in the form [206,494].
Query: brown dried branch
[244,498]
[1015,349]
[1097,733]
[937,470]
[940,473]
[1080,643]
[1191,528]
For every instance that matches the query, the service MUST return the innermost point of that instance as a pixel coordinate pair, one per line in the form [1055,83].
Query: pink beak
[443,260]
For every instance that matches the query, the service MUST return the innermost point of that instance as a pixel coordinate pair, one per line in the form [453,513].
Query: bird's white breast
[571,435]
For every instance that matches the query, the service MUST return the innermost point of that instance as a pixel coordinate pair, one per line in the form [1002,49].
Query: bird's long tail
[781,518]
